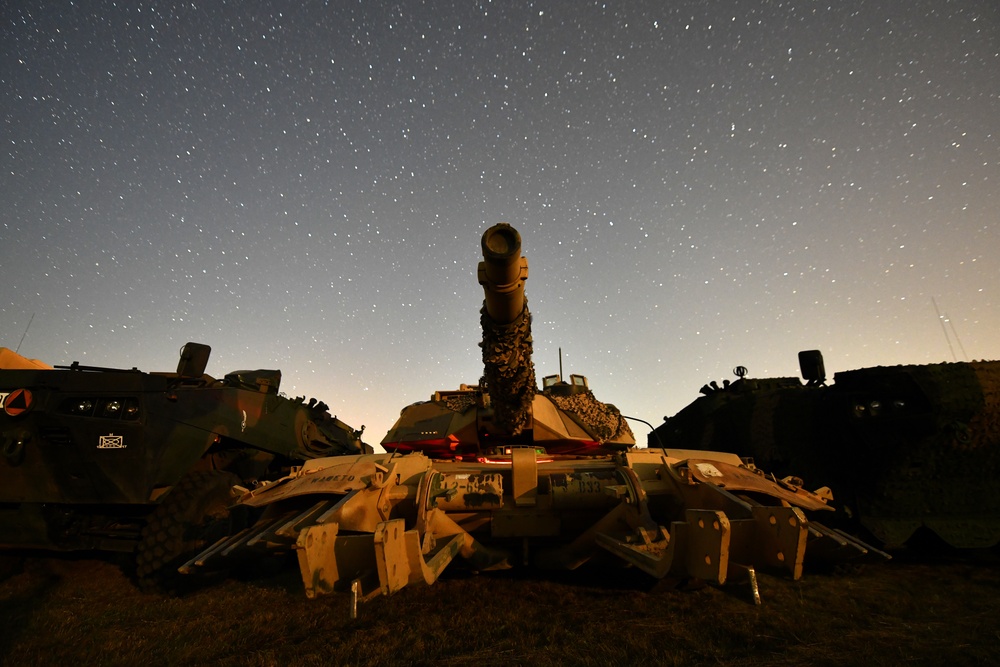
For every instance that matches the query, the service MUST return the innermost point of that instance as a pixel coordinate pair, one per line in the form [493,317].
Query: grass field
[58,611]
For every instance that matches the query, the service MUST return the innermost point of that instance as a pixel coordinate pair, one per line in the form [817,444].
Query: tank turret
[506,408]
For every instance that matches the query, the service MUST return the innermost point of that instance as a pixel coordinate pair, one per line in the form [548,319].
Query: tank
[502,474]
[114,460]
[908,450]
[506,408]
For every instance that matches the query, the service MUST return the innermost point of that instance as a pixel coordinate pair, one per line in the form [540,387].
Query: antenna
[944,329]
[25,333]
[651,429]
[560,364]
[957,339]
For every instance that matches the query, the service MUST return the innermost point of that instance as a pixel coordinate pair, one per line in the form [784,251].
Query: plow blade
[376,524]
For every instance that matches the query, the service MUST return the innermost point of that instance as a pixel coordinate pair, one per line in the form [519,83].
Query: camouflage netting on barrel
[603,419]
[508,372]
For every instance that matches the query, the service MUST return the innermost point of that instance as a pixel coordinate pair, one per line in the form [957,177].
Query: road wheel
[193,515]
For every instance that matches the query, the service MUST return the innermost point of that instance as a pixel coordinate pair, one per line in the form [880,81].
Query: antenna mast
[25,333]
[944,329]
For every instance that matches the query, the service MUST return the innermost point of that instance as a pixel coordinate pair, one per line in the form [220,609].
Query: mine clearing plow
[373,524]
[502,474]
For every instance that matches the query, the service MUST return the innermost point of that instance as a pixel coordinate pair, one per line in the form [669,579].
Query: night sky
[303,186]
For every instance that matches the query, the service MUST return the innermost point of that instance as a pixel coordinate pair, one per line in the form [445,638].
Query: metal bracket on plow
[707,545]
[524,470]
[400,560]
[697,547]
[328,559]
[782,542]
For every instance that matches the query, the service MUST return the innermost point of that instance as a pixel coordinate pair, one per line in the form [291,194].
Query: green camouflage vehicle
[145,463]
[907,449]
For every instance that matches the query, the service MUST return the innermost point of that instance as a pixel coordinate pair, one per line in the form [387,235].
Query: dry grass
[61,611]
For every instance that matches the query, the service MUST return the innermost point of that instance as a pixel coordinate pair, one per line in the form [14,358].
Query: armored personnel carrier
[121,460]
[501,474]
[905,448]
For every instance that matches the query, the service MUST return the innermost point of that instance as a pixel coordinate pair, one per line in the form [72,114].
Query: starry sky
[303,186]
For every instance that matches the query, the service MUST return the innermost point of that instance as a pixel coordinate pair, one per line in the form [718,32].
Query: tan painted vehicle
[120,460]
[500,474]
[909,450]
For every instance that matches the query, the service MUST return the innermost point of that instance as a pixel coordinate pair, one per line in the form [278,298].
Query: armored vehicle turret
[506,408]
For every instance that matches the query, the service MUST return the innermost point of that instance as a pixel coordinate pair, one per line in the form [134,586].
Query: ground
[57,611]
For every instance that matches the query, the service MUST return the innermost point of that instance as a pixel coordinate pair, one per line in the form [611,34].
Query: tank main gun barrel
[502,273]
[508,372]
